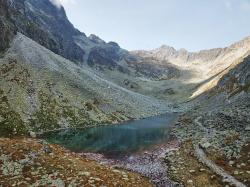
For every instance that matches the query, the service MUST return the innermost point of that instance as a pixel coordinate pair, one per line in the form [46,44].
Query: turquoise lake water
[116,140]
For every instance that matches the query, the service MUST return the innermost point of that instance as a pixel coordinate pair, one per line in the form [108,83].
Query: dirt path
[203,158]
[216,169]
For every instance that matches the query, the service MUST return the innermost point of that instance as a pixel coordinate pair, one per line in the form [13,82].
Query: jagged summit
[96,39]
[41,21]
[166,47]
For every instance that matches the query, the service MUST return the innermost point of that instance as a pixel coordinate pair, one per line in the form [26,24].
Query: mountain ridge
[53,77]
[162,75]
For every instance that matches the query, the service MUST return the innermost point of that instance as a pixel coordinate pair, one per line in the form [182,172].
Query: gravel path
[218,170]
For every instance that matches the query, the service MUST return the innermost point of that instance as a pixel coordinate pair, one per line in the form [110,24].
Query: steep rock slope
[44,91]
[48,25]
[44,23]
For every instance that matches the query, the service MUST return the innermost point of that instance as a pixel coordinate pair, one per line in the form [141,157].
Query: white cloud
[59,3]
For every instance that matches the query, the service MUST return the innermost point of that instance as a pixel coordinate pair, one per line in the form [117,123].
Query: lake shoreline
[127,137]
[39,135]
[149,163]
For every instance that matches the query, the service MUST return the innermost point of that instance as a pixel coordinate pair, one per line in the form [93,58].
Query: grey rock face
[43,22]
[170,54]
[104,56]
[96,39]
[5,28]
[49,26]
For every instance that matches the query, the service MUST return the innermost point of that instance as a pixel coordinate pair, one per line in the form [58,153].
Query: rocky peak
[242,43]
[96,39]
[48,25]
[169,54]
[166,47]
[167,50]
[114,44]
[43,22]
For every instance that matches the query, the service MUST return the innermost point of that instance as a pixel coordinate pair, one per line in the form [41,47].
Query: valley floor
[215,154]
[32,162]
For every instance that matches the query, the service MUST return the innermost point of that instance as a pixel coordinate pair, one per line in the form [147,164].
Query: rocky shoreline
[150,163]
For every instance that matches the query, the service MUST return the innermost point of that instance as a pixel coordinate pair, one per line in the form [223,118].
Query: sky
[148,24]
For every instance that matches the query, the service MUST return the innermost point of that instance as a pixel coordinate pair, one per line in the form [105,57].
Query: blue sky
[148,24]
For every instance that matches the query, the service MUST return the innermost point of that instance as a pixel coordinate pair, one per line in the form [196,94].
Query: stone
[32,134]
[72,184]
[82,173]
[189,181]
[1,119]
[125,176]
[91,181]
[236,173]
[191,171]
[247,128]
[212,177]
[47,149]
[116,171]
[58,183]
[204,143]
[231,162]
[97,179]
[243,164]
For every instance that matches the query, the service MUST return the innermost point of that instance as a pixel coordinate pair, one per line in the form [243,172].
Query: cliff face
[43,22]
[49,26]
[6,28]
